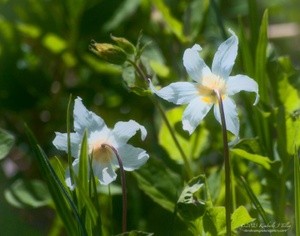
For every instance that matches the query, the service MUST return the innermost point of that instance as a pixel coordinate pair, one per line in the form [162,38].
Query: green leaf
[54,43]
[191,204]
[133,81]
[159,183]
[7,141]
[256,158]
[173,24]
[136,233]
[297,189]
[191,144]
[29,30]
[33,194]
[83,163]
[194,17]
[254,200]
[60,196]
[214,221]
[289,97]
[124,11]
[160,69]
[261,59]
[240,217]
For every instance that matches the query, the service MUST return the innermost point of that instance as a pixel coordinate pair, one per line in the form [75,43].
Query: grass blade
[60,196]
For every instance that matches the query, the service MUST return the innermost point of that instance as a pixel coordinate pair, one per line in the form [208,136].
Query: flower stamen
[209,85]
[102,153]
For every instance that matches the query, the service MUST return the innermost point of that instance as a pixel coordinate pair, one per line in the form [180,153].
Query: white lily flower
[100,138]
[200,95]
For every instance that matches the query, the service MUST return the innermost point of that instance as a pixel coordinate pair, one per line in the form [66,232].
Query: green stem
[227,166]
[123,183]
[182,153]
[161,111]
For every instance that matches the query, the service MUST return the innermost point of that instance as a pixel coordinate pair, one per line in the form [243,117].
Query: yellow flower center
[102,153]
[209,85]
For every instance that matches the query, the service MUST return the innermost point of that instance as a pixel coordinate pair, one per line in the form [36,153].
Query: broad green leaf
[214,221]
[159,183]
[240,217]
[173,24]
[54,43]
[297,189]
[7,141]
[289,97]
[191,204]
[33,194]
[256,158]
[191,144]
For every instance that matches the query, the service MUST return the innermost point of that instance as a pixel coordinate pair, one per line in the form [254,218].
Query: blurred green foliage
[44,57]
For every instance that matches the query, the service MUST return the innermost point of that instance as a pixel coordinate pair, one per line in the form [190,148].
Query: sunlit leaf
[54,43]
[23,194]
[160,69]
[240,217]
[191,144]
[191,203]
[7,141]
[297,189]
[256,158]
[214,221]
[173,24]
[290,98]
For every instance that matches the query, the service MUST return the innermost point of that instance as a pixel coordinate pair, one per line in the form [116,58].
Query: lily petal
[123,131]
[85,119]
[194,64]
[239,83]
[178,93]
[105,173]
[194,113]
[225,56]
[61,142]
[231,116]
[132,157]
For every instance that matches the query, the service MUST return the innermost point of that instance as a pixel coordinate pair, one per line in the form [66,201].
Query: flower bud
[123,43]
[108,52]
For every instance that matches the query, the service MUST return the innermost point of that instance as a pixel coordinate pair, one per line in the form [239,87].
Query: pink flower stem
[226,165]
[123,183]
